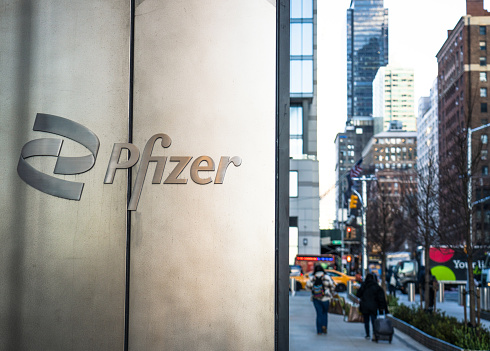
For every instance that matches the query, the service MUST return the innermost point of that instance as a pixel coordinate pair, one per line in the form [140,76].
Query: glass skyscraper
[367,50]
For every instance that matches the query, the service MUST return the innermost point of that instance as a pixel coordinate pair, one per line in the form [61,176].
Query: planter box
[423,338]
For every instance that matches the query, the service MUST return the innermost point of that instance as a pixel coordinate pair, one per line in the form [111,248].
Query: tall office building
[393,99]
[304,171]
[367,50]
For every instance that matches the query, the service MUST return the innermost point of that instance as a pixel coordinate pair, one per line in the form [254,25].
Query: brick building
[463,83]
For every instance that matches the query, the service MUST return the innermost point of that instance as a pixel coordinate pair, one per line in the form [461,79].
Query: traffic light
[350,233]
[349,258]
[353,201]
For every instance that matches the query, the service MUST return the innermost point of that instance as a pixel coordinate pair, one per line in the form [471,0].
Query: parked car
[340,279]
[296,272]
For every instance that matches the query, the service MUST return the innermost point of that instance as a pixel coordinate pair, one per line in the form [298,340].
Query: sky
[417,29]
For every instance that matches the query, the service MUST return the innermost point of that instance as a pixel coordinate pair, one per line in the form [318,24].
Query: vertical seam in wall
[281,303]
[130,140]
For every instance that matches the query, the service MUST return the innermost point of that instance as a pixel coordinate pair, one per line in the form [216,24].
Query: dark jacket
[372,297]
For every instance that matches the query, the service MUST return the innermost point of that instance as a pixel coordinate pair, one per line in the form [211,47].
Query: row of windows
[393,165]
[395,157]
[394,140]
[393,150]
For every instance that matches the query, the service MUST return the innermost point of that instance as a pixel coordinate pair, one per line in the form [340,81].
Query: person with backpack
[372,298]
[322,290]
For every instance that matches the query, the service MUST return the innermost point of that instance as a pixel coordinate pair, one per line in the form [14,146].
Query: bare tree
[421,209]
[382,213]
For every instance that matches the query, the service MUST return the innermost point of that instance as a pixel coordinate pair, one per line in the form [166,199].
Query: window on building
[301,9]
[483,92]
[483,107]
[301,37]
[484,139]
[484,170]
[483,76]
[293,183]
[483,61]
[293,240]
[484,154]
[483,30]
[301,80]
[296,131]
[483,45]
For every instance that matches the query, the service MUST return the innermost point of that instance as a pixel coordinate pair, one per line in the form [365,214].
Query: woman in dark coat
[372,298]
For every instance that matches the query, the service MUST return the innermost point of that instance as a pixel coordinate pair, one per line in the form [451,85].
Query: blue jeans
[321,308]
[366,321]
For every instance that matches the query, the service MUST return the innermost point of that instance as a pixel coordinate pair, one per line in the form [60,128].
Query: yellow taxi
[340,279]
[297,273]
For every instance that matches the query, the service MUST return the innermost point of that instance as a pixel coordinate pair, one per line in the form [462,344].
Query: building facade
[367,50]
[428,131]
[304,169]
[393,98]
[391,156]
[463,83]
[393,149]
[349,146]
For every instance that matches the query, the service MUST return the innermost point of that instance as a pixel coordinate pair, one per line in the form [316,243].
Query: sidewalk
[341,335]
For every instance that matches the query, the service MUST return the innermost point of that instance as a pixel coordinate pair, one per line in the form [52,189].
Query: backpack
[318,291]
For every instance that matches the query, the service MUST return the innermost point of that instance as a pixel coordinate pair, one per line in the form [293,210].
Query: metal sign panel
[96,255]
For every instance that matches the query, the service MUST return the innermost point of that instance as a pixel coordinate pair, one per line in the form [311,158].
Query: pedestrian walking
[322,290]
[392,281]
[372,298]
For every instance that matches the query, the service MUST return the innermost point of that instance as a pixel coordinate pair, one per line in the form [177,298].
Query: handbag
[355,316]
[393,280]
[335,306]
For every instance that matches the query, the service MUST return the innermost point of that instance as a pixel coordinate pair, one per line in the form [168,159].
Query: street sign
[336,242]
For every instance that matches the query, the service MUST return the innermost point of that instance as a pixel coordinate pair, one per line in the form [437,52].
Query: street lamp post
[470,185]
[363,200]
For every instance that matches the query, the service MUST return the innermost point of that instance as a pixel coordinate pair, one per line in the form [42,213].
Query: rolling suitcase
[383,329]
